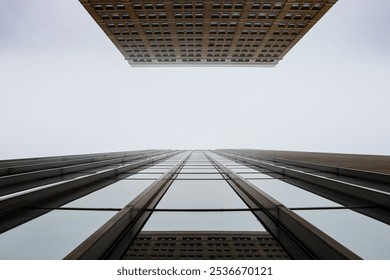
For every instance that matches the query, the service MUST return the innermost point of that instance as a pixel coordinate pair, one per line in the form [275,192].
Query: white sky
[65,89]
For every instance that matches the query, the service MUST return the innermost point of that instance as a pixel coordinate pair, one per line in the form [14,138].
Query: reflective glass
[116,195]
[198,194]
[199,176]
[249,169]
[199,170]
[359,182]
[203,221]
[144,176]
[51,236]
[257,175]
[159,168]
[290,195]
[243,169]
[164,165]
[197,157]
[368,238]
[198,166]
[154,170]
[226,161]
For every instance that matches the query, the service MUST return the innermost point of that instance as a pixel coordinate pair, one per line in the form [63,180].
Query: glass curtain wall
[199,199]
[365,236]
[56,233]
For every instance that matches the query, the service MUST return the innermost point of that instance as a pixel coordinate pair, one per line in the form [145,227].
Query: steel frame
[41,194]
[374,201]
[112,240]
[298,237]
[22,206]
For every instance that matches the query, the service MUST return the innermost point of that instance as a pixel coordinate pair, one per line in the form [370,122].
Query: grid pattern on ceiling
[206,32]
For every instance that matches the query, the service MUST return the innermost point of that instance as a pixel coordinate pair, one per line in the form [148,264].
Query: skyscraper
[219,33]
[222,204]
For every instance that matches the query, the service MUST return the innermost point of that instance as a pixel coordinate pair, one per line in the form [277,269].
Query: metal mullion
[140,179]
[12,203]
[88,161]
[338,191]
[369,194]
[341,171]
[367,209]
[18,182]
[209,179]
[76,208]
[244,209]
[200,210]
[9,168]
[300,239]
[112,239]
[26,161]
[200,173]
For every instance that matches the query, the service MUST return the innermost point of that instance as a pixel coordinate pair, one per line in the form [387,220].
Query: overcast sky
[65,89]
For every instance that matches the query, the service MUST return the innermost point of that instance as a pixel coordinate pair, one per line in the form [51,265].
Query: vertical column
[301,239]
[113,238]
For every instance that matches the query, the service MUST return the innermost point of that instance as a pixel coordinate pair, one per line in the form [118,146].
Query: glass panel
[367,237]
[154,170]
[51,236]
[116,195]
[198,194]
[243,169]
[199,170]
[197,157]
[249,169]
[199,176]
[204,221]
[363,183]
[158,168]
[257,175]
[290,195]
[200,165]
[144,176]
[177,158]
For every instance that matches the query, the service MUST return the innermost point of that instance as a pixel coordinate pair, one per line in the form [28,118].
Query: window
[317,6]
[278,6]
[295,6]
[98,6]
[266,6]
[306,6]
[137,6]
[236,15]
[109,7]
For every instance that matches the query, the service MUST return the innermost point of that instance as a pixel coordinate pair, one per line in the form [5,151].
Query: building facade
[209,245]
[212,33]
[222,204]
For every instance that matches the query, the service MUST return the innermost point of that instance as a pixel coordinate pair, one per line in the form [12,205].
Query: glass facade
[116,195]
[199,192]
[193,192]
[363,235]
[51,236]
